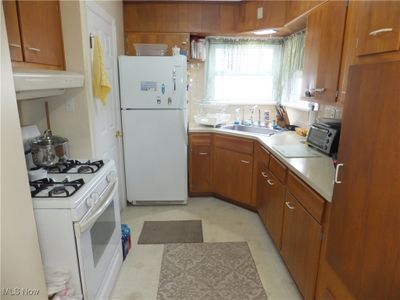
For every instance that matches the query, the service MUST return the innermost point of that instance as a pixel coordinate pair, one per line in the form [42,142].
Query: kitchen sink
[251,129]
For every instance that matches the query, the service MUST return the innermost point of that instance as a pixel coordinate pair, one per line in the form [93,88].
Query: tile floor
[222,222]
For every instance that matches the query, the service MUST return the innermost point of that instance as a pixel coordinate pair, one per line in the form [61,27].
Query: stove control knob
[111,177]
[89,202]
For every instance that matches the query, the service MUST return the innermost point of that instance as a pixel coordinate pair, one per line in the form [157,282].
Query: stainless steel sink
[251,129]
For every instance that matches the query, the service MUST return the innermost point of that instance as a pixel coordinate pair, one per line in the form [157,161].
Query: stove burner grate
[76,167]
[59,189]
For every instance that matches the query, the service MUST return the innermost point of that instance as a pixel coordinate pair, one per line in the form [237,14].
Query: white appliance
[76,209]
[154,122]
[32,84]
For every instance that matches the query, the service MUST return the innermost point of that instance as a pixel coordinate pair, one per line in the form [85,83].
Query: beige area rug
[167,232]
[209,271]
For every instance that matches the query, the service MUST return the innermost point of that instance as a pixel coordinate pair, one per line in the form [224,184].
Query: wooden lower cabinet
[200,169]
[233,175]
[301,244]
[200,163]
[271,204]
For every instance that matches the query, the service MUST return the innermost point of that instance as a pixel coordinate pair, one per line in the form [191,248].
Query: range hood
[31,84]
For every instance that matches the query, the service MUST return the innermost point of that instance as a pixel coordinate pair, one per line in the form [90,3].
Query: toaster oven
[324,135]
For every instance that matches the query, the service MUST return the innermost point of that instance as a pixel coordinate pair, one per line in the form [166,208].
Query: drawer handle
[203,153]
[34,49]
[270,182]
[14,45]
[288,205]
[383,30]
[338,166]
[264,174]
[245,161]
[320,90]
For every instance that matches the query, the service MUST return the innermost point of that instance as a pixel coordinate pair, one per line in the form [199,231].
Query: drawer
[234,144]
[311,201]
[277,168]
[262,154]
[200,139]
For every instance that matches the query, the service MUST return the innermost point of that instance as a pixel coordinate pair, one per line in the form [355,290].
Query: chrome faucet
[252,112]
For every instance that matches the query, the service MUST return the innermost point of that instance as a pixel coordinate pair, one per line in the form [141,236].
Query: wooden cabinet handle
[203,153]
[245,161]
[264,174]
[289,206]
[33,49]
[14,45]
[383,30]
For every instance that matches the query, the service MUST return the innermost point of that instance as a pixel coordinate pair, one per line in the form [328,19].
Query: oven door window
[101,233]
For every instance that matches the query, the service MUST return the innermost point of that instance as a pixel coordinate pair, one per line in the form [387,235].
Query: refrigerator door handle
[184,127]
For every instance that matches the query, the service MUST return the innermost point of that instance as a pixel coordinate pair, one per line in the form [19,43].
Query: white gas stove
[76,209]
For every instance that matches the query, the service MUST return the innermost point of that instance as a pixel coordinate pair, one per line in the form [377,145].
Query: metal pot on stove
[49,149]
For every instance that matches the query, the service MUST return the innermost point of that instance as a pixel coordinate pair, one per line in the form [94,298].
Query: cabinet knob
[288,205]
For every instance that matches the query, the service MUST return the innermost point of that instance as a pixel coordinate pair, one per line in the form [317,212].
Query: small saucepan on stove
[49,149]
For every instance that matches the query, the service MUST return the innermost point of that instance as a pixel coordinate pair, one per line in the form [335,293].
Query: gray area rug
[209,271]
[167,232]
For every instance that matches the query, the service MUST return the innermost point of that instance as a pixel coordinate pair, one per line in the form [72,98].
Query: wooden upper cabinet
[213,18]
[13,33]
[273,15]
[322,52]
[378,27]
[295,9]
[41,33]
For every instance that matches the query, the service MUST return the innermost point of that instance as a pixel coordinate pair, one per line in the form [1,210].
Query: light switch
[260,13]
[70,104]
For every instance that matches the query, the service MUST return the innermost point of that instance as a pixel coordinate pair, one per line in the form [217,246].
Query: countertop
[317,172]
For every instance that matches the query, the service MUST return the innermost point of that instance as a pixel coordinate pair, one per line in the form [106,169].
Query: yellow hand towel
[101,83]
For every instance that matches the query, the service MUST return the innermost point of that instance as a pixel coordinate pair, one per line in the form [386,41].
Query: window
[292,71]
[243,71]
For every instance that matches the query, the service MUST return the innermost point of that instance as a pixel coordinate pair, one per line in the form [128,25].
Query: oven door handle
[91,218]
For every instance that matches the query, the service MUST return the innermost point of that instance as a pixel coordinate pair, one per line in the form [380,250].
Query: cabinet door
[13,34]
[363,245]
[200,169]
[379,27]
[40,25]
[322,52]
[181,40]
[301,244]
[233,175]
[275,201]
[262,191]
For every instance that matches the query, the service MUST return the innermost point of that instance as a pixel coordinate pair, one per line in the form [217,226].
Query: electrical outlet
[260,13]
[70,105]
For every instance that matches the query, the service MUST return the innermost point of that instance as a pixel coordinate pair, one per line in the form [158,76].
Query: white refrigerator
[154,123]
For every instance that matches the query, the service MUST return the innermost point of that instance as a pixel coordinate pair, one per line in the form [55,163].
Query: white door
[107,119]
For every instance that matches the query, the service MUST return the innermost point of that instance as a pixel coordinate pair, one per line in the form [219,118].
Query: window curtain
[245,58]
[292,66]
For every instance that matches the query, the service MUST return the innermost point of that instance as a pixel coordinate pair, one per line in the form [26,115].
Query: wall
[21,264]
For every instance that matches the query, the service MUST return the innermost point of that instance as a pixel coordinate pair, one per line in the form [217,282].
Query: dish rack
[210,114]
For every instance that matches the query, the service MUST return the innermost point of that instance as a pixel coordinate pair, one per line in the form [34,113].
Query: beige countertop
[317,172]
